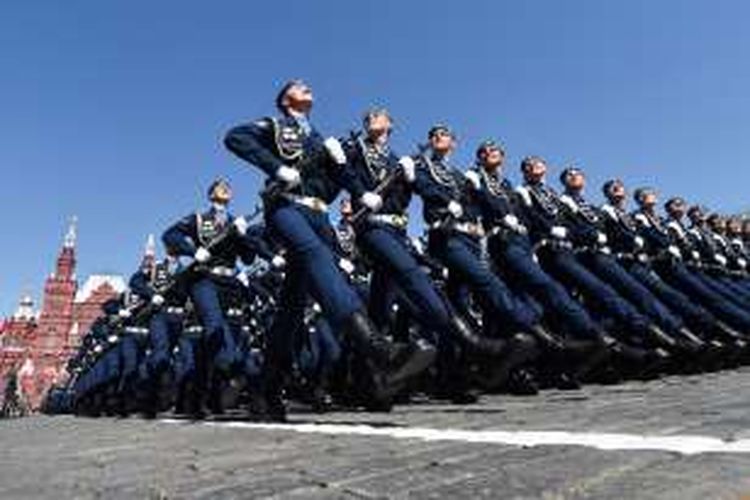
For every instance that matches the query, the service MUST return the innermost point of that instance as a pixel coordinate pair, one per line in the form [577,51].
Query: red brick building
[38,344]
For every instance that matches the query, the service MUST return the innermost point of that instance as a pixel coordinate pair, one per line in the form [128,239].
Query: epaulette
[523,192]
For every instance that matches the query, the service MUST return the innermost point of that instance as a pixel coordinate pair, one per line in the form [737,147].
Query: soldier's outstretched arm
[178,239]
[139,285]
[253,142]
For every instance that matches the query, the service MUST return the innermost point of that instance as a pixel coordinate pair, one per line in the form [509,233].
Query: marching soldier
[153,284]
[668,262]
[512,251]
[452,217]
[668,330]
[381,186]
[548,226]
[215,239]
[303,171]
[631,251]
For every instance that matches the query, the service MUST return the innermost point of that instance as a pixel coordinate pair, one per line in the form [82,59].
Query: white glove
[202,255]
[455,209]
[559,232]
[473,178]
[241,225]
[278,261]
[601,238]
[111,339]
[157,299]
[410,170]
[674,251]
[346,265]
[98,349]
[373,201]
[742,262]
[639,243]
[124,313]
[335,150]
[243,278]
[288,175]
[511,221]
[720,259]
[695,255]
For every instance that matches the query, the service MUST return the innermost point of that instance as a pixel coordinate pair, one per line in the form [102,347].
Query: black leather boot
[520,348]
[473,343]
[392,363]
[659,338]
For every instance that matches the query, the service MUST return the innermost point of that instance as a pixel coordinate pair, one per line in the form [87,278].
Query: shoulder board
[523,192]
[474,179]
[265,123]
[675,226]
[610,211]
[569,202]
[642,219]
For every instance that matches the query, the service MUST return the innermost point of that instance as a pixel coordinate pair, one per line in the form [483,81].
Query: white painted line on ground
[684,444]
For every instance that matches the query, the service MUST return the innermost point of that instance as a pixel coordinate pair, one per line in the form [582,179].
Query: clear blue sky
[114,111]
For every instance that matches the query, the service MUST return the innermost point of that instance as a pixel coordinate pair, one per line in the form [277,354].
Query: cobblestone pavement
[413,452]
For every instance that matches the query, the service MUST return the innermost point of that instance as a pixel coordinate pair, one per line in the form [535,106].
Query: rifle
[385,185]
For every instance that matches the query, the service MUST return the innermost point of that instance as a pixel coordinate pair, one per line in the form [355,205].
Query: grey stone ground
[67,457]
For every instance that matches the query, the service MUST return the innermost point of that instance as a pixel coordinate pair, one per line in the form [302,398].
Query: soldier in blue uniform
[718,260]
[303,173]
[153,283]
[215,239]
[668,330]
[451,213]
[669,263]
[549,229]
[702,252]
[380,184]
[631,250]
[512,251]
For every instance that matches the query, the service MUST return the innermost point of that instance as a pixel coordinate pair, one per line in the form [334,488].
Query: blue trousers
[729,288]
[320,350]
[394,265]
[515,259]
[609,270]
[696,315]
[129,358]
[461,254]
[311,270]
[184,360]
[679,276]
[164,331]
[220,341]
[564,266]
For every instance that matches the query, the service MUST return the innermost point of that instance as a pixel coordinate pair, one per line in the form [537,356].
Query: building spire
[150,249]
[70,237]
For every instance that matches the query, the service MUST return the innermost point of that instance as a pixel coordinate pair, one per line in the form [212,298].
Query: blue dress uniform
[383,239]
[586,224]
[548,227]
[511,248]
[165,325]
[629,248]
[701,255]
[668,262]
[212,277]
[719,262]
[296,217]
[456,242]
